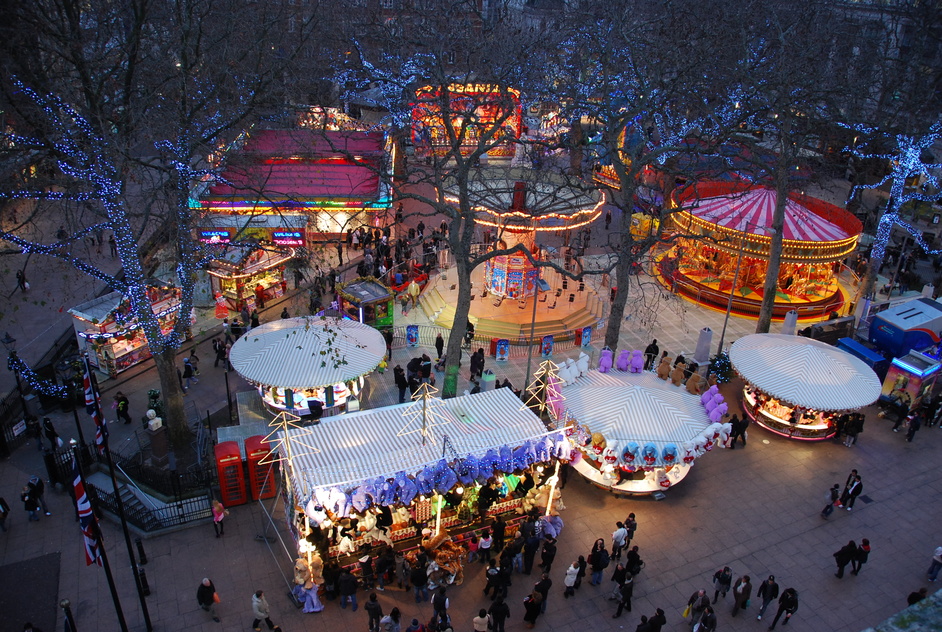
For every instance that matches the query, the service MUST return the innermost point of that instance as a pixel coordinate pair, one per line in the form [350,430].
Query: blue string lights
[38,384]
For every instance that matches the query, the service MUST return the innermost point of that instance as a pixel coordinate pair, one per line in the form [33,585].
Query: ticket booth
[261,469]
[231,474]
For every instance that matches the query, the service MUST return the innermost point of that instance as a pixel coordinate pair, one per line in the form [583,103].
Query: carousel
[308,366]
[723,244]
[795,386]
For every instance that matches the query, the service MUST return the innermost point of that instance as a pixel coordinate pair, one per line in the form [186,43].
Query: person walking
[657,621]
[852,477]
[195,362]
[598,561]
[439,346]
[742,590]
[374,612]
[122,407]
[207,598]
[722,580]
[768,592]
[261,611]
[624,596]
[548,554]
[855,489]
[833,496]
[935,565]
[619,536]
[347,589]
[531,608]
[219,514]
[189,377]
[38,489]
[707,620]
[412,291]
[543,587]
[499,612]
[860,557]
[698,603]
[844,556]
[572,573]
[618,579]
[482,622]
[915,423]
[21,283]
[51,435]
[4,514]
[787,604]
[30,504]
[440,605]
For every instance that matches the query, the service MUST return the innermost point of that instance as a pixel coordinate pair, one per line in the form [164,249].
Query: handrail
[131,481]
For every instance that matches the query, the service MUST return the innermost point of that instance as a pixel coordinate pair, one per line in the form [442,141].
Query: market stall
[250,275]
[308,365]
[111,335]
[723,243]
[795,386]
[367,300]
[638,434]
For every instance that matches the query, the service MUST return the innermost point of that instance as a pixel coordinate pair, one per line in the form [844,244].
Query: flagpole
[119,503]
[96,529]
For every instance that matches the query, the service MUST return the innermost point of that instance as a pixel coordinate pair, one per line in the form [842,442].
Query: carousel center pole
[439,501]
[549,501]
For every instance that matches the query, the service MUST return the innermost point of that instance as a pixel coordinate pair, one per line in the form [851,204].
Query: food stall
[243,274]
[795,386]
[308,363]
[367,300]
[106,329]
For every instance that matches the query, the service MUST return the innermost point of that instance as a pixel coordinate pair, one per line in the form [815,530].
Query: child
[484,547]
[472,548]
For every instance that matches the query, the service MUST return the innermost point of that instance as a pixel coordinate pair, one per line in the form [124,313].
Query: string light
[45,387]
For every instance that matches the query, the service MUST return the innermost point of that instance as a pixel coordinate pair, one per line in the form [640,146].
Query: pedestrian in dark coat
[707,620]
[722,580]
[548,554]
[439,346]
[768,592]
[401,382]
[914,425]
[855,489]
[844,556]
[698,602]
[650,354]
[624,600]
[787,604]
[861,557]
[50,431]
[531,607]
[658,621]
[499,612]
[742,590]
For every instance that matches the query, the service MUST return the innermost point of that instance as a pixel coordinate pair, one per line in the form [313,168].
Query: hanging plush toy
[690,453]
[623,360]
[573,370]
[597,447]
[630,453]
[605,360]
[583,364]
[669,453]
[637,361]
[406,488]
[649,453]
[663,481]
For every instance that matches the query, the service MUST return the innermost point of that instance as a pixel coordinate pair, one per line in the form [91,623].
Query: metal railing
[178,513]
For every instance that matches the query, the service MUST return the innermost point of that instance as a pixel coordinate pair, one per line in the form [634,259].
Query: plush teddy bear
[622,363]
[637,361]
[605,360]
[694,384]
[597,447]
[677,375]
[664,368]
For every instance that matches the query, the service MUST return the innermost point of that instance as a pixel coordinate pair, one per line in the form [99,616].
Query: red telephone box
[261,475]
[231,474]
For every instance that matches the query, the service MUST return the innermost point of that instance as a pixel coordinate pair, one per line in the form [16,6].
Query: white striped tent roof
[637,407]
[307,352]
[358,446]
[804,372]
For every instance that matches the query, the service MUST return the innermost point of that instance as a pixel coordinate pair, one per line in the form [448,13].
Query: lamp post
[66,606]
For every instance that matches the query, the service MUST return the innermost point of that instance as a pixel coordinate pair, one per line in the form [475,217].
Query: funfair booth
[796,386]
[308,365]
[723,244]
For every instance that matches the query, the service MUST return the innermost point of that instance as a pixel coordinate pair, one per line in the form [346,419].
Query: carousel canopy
[752,211]
[351,448]
[307,352]
[804,372]
[637,407]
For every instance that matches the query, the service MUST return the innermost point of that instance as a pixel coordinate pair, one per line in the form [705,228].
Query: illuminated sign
[215,236]
[287,237]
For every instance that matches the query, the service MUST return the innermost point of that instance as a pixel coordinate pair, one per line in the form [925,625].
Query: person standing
[284,313]
[439,346]
[413,291]
[50,431]
[624,597]
[833,496]
[618,539]
[425,369]
[548,554]
[631,525]
[787,604]
[844,556]
[484,546]
[374,611]
[339,257]
[195,362]
[30,504]
[38,489]
[399,376]
[4,514]
[768,592]
[598,561]
[122,407]
[855,489]
[650,354]
[482,622]
[722,580]
[253,319]
[543,587]
[657,621]
[698,603]
[261,611]
[187,375]
[850,479]
[440,605]
[207,598]
[935,565]
[742,590]
[244,314]
[914,425]
[219,514]
[418,577]
[531,607]
[347,589]
[570,581]
[499,612]
[861,556]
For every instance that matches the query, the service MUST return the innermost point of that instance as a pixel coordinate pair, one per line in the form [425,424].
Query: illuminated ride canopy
[461,114]
[719,220]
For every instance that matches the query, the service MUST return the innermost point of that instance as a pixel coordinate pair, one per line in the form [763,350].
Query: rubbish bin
[488,380]
[493,351]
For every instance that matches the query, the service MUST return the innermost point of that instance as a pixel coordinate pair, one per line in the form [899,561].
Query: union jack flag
[87,518]
[93,408]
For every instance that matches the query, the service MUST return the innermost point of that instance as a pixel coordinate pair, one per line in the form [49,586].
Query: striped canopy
[637,407]
[751,211]
[804,372]
[307,352]
[347,449]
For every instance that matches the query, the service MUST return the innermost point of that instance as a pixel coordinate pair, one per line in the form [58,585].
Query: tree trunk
[575,148]
[617,313]
[461,249]
[775,250]
[174,414]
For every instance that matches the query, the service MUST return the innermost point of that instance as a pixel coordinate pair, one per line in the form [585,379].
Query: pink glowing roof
[303,164]
[751,211]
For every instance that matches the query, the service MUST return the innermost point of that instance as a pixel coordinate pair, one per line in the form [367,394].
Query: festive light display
[36,383]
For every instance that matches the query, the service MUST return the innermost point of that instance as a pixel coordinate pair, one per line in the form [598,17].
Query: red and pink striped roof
[751,211]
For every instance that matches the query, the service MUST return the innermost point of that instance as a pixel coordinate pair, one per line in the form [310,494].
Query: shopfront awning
[804,372]
[308,352]
[351,448]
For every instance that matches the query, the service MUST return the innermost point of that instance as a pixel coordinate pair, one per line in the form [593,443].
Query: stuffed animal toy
[669,453]
[663,481]
[565,375]
[622,363]
[649,454]
[597,447]
[709,394]
[711,379]
[583,364]
[605,360]
[664,368]
[694,384]
[631,452]
[573,370]
[637,361]
[677,375]
[690,453]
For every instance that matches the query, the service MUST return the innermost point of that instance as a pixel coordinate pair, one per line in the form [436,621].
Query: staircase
[144,517]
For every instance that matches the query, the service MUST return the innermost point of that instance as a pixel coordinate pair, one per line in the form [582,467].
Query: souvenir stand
[306,364]
[106,329]
[367,300]
[412,474]
[242,273]
[796,386]
[636,433]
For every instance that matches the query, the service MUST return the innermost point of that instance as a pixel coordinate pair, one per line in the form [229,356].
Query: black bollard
[145,587]
[140,551]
